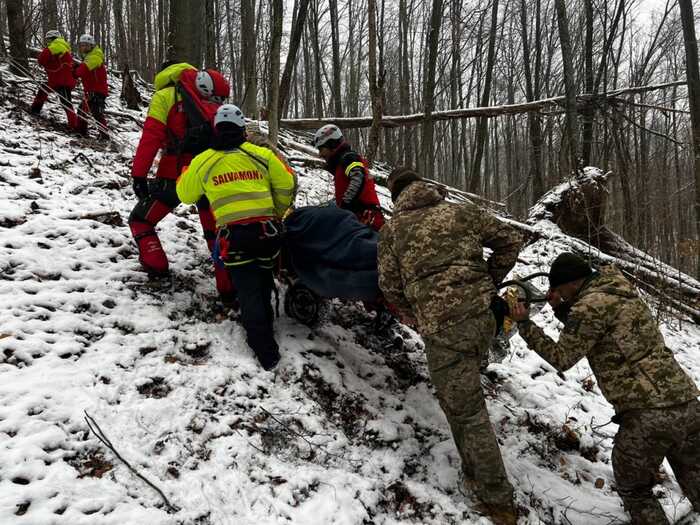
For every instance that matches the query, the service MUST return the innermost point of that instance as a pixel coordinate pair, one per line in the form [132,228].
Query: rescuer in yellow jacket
[249,189]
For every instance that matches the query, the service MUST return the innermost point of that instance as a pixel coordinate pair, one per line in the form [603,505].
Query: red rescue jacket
[340,164]
[167,123]
[93,73]
[57,60]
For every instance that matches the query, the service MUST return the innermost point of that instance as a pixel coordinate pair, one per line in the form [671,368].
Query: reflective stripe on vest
[248,196]
[245,214]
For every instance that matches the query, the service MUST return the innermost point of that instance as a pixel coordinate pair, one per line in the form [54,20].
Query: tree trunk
[97,22]
[427,142]
[186,34]
[18,39]
[49,15]
[693,73]
[3,26]
[534,120]
[335,44]
[294,40]
[376,82]
[316,44]
[82,17]
[121,43]
[130,94]
[274,88]
[180,42]
[482,123]
[455,79]
[210,33]
[405,76]
[589,114]
[249,58]
[569,83]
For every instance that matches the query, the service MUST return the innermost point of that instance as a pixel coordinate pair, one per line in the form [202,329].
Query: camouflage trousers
[644,439]
[454,357]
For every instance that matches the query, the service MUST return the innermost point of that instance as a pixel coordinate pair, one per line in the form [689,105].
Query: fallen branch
[119,115]
[95,429]
[583,103]
[654,107]
[82,155]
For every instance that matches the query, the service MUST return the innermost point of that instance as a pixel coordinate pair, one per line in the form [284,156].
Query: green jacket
[610,325]
[431,258]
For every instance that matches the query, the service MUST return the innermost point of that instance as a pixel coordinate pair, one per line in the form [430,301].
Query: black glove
[499,308]
[140,186]
[561,312]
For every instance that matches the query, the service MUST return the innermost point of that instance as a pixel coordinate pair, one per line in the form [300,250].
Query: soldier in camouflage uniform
[655,401]
[432,269]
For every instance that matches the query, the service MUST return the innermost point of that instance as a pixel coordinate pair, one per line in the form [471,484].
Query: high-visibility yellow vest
[245,183]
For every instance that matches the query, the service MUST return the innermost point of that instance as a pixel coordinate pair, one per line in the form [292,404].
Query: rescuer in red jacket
[354,186]
[93,74]
[180,125]
[57,61]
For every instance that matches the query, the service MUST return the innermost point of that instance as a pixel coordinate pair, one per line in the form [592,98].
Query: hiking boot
[229,301]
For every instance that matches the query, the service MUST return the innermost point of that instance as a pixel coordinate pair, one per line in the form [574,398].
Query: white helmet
[229,113]
[326,133]
[205,84]
[86,39]
[50,35]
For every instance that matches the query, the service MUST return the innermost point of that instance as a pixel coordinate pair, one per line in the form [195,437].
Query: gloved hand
[499,308]
[562,311]
[140,185]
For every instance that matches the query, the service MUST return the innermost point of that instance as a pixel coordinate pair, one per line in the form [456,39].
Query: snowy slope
[345,431]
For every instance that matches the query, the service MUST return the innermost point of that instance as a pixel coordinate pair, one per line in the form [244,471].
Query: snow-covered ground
[346,430]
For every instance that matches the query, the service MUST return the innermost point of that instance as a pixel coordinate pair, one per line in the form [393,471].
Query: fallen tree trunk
[576,209]
[583,103]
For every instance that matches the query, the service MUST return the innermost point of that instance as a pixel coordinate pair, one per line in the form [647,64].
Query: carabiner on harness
[270,229]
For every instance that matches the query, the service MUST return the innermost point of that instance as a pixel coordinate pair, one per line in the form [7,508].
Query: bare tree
[589,114]
[185,33]
[693,74]
[427,140]
[49,15]
[532,93]
[376,81]
[482,124]
[210,33]
[302,8]
[335,44]
[274,88]
[18,40]
[569,82]
[249,58]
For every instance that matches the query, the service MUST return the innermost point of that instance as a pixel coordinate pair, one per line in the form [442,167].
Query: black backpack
[199,133]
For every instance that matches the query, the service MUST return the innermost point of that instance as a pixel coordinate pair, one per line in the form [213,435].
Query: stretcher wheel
[304,305]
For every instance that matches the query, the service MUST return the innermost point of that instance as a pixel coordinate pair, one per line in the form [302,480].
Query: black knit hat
[399,179]
[568,267]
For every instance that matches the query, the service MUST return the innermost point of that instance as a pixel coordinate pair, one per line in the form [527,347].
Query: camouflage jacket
[431,262]
[610,325]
